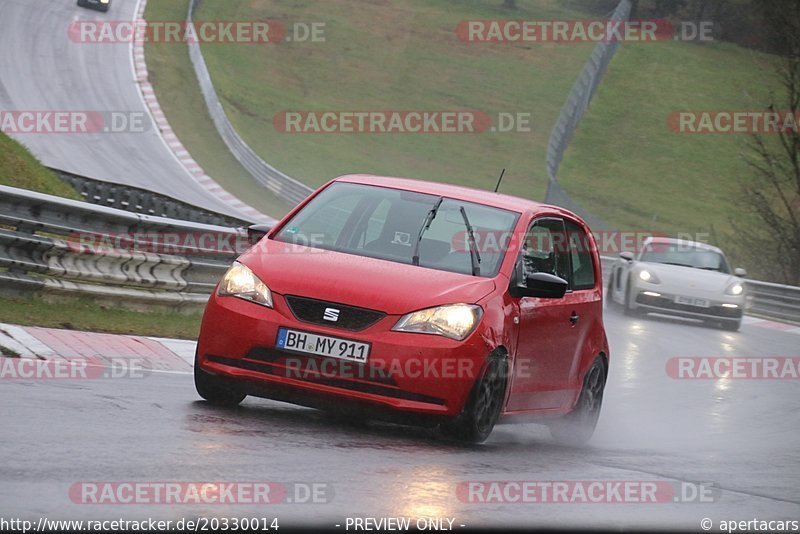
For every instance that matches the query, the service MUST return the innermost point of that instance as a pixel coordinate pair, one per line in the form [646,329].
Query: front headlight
[648,276]
[455,321]
[239,281]
[735,289]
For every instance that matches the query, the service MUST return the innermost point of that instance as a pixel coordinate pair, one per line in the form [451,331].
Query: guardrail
[53,245]
[138,200]
[764,299]
[571,114]
[279,183]
[773,301]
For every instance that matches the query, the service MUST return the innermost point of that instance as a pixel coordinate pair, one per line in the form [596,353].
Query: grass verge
[19,168]
[624,164]
[83,314]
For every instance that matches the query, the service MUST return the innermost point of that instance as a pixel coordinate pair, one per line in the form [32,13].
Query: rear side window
[581,257]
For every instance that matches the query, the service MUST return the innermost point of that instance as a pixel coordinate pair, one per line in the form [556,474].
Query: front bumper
[407,374]
[666,304]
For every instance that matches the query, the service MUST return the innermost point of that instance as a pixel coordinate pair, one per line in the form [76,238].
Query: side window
[545,249]
[581,256]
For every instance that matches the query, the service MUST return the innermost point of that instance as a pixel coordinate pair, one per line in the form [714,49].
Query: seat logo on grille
[331,314]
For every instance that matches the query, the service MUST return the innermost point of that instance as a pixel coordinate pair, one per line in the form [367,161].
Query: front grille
[347,317]
[668,304]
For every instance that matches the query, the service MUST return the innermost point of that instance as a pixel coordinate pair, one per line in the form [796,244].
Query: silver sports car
[676,277]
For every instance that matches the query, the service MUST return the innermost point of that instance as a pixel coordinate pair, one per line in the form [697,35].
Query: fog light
[651,293]
[730,305]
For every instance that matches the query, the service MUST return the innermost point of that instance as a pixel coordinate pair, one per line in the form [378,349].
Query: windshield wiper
[427,224]
[673,263]
[474,255]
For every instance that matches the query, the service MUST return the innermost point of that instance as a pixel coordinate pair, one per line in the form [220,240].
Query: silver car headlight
[455,321]
[239,281]
[648,276]
[735,289]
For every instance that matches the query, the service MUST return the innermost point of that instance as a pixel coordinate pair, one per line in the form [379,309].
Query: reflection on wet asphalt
[739,435]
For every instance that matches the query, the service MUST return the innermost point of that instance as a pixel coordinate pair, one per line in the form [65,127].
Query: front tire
[484,404]
[630,311]
[610,302]
[577,427]
[212,389]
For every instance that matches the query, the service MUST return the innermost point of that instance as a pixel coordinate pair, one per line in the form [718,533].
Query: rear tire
[577,427]
[484,404]
[215,391]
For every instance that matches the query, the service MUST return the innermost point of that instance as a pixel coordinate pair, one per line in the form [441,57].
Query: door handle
[573,319]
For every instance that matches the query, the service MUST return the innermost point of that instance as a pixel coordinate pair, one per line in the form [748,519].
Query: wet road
[740,435]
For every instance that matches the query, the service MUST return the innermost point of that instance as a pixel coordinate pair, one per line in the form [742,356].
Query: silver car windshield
[385,223]
[685,255]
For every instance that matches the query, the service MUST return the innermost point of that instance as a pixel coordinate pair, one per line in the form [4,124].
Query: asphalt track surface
[42,69]
[739,436]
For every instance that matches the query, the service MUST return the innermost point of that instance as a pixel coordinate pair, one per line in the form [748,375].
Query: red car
[418,302]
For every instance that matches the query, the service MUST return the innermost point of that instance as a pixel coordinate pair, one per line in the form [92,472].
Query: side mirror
[627,256]
[256,231]
[542,285]
[741,273]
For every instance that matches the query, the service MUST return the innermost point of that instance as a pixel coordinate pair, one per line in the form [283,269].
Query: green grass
[83,314]
[178,94]
[624,165]
[19,168]
[389,56]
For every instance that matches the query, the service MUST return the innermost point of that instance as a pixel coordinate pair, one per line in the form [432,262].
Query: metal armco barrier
[571,114]
[135,199]
[764,299]
[774,301]
[279,183]
[54,245]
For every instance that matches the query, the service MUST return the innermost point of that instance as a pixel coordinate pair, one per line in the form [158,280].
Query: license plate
[691,301]
[332,347]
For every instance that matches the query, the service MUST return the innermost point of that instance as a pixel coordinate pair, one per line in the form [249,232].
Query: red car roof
[468,194]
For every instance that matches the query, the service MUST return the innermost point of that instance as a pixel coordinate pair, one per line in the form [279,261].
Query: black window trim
[564,225]
[591,257]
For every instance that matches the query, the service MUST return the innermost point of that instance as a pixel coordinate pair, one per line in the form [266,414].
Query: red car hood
[394,288]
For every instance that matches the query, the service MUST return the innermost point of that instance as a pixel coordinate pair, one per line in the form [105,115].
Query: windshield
[385,223]
[685,255]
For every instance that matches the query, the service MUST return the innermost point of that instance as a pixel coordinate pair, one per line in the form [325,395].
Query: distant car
[682,278]
[99,5]
[374,298]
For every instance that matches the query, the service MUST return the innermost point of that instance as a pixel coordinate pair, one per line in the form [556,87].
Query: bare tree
[772,194]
